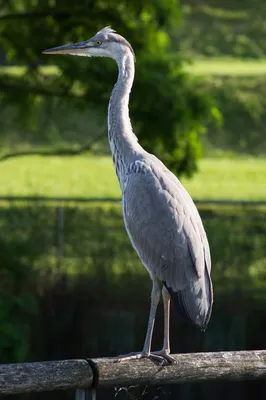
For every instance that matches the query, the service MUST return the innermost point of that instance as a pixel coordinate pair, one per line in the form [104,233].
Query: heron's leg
[165,352]
[155,298]
[146,352]
[166,307]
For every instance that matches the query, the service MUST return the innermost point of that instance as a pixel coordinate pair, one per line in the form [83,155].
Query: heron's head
[106,43]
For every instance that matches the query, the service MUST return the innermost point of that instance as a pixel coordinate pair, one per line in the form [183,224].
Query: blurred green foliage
[17,302]
[59,126]
[242,101]
[167,110]
[230,29]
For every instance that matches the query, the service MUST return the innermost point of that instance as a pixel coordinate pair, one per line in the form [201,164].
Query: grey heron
[160,217]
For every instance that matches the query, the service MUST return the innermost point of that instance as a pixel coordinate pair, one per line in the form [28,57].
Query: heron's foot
[164,355]
[132,356]
[161,356]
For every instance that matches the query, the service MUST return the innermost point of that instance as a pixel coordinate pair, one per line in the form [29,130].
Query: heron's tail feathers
[194,303]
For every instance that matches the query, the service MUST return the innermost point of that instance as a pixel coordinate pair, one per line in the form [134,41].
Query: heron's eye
[98,43]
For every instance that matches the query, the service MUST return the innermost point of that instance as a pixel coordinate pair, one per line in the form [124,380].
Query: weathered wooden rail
[106,372]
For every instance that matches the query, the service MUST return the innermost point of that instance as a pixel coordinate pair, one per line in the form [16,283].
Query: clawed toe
[131,356]
[164,356]
[161,356]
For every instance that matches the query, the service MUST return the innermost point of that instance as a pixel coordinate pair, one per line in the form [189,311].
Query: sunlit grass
[209,66]
[59,176]
[19,70]
[241,178]
[228,66]
[236,178]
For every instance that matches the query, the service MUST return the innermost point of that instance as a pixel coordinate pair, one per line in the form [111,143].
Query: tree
[166,109]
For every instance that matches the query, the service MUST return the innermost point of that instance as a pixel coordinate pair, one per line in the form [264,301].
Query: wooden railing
[107,372]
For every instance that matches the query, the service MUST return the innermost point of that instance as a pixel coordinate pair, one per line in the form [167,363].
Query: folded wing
[166,231]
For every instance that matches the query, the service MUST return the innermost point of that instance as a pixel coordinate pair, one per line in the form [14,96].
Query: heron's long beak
[77,48]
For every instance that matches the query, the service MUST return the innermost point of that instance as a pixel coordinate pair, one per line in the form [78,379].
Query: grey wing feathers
[166,231]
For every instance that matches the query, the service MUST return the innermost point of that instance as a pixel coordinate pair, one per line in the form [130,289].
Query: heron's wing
[167,233]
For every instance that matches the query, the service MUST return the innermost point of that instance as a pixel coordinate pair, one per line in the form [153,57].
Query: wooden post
[45,376]
[107,372]
[196,367]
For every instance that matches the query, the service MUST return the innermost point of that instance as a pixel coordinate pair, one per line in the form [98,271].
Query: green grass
[59,176]
[19,70]
[228,67]
[240,178]
[236,178]
[208,66]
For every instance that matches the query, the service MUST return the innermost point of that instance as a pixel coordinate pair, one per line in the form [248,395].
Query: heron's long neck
[123,143]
